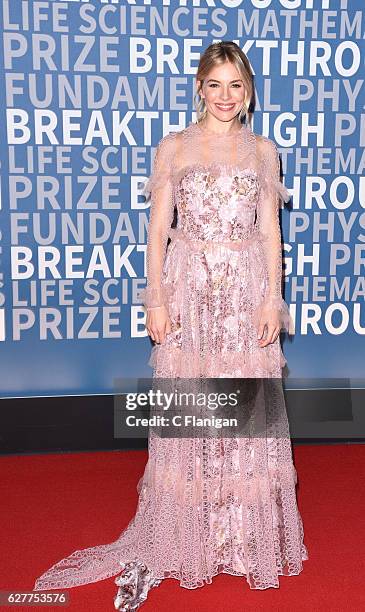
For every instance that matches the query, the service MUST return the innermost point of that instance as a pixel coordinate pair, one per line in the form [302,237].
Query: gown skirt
[208,505]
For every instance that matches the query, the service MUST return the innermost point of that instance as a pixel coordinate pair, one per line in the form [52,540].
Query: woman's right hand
[158,323]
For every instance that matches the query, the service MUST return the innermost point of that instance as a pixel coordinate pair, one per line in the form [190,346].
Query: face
[223,92]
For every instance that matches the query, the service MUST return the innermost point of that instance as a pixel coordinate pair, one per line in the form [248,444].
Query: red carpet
[54,504]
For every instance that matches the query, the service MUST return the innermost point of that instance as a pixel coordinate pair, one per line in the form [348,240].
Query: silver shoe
[134,583]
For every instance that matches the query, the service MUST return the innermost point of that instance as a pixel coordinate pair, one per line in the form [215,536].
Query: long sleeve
[268,224]
[160,186]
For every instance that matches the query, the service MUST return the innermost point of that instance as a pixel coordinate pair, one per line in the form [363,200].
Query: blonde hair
[215,55]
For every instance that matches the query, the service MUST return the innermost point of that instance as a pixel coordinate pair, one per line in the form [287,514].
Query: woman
[211,504]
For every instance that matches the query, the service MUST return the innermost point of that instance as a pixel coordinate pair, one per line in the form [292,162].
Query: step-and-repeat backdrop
[87,91]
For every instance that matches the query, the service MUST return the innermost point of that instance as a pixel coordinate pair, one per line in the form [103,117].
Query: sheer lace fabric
[223,266]
[212,505]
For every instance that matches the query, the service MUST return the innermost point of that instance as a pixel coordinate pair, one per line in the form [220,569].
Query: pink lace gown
[211,505]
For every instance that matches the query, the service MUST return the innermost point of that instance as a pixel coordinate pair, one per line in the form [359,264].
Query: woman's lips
[225,107]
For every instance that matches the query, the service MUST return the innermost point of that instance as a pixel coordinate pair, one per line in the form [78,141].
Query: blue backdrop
[87,90]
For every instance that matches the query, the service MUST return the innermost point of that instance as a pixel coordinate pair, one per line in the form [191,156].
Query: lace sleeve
[272,192]
[160,186]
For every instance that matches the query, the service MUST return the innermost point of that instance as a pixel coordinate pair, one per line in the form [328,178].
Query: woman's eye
[216,85]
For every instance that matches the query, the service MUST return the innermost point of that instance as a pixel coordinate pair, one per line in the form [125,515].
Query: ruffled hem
[275,304]
[155,297]
[282,191]
[171,361]
[272,187]
[286,570]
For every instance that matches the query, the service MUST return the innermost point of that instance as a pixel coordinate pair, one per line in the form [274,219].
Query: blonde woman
[210,505]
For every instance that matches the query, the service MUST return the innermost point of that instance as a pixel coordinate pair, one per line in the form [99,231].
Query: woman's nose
[225,94]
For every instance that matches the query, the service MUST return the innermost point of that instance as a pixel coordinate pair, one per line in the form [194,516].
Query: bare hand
[269,323]
[158,324]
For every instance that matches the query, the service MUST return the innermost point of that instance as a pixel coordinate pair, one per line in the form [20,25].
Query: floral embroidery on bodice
[216,202]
